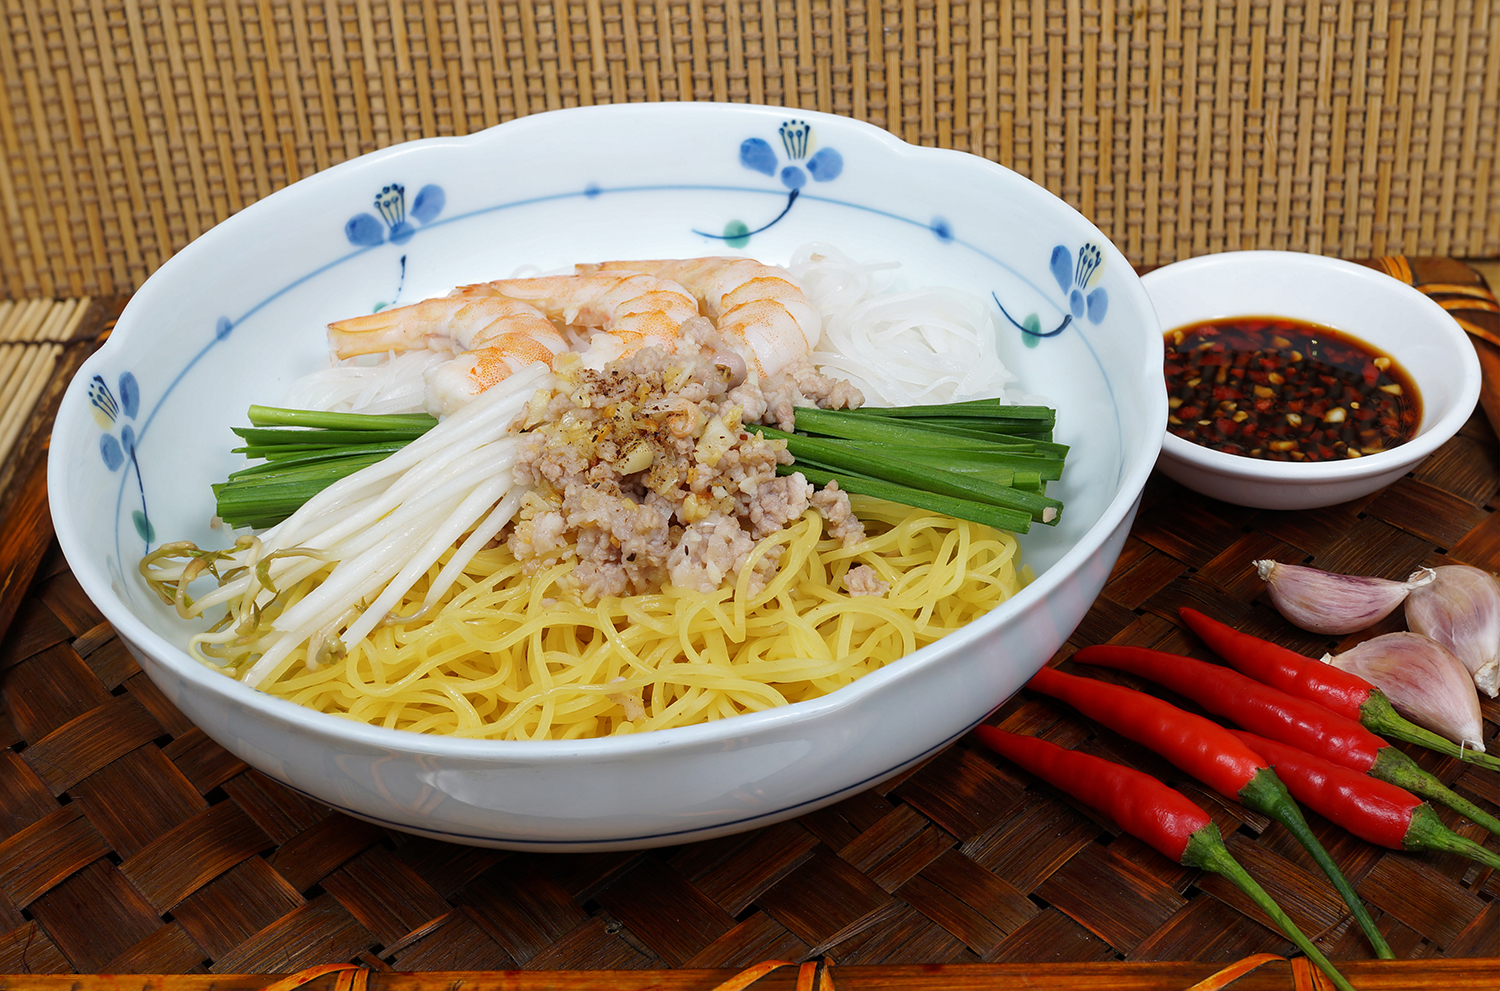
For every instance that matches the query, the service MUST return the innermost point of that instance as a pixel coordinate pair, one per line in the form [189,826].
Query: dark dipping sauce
[1285,390]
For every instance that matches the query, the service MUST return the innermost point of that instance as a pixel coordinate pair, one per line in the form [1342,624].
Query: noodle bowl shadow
[234,318]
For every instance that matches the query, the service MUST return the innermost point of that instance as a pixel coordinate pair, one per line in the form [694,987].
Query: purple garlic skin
[1324,602]
[1424,681]
[1460,609]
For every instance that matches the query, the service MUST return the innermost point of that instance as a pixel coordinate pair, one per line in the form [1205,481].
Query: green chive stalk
[303,452]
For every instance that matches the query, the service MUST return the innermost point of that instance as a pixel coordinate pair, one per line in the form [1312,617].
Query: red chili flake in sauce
[1285,390]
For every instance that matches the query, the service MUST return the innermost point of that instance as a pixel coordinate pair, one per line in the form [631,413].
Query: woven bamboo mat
[132,844]
[1344,127]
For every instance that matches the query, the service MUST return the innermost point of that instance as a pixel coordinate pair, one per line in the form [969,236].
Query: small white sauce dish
[1363,303]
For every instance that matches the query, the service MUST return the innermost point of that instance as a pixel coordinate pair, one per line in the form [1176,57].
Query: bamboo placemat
[1345,127]
[132,844]
[32,336]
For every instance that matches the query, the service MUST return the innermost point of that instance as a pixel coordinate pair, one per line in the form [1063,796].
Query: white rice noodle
[387,524]
[382,383]
[931,345]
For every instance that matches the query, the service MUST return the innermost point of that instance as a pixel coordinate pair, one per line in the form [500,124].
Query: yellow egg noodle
[510,657]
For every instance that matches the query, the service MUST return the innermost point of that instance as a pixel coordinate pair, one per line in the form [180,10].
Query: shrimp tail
[460,321]
[383,330]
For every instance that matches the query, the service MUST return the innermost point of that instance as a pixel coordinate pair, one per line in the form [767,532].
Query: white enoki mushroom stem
[499,404]
[455,436]
[352,533]
[475,504]
[407,534]
[393,520]
[478,538]
[352,508]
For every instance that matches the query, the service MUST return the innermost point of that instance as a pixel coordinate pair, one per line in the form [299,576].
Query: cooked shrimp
[497,337]
[632,309]
[505,325]
[760,304]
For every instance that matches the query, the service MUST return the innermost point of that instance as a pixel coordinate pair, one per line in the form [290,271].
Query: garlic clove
[1324,602]
[1460,609]
[1424,681]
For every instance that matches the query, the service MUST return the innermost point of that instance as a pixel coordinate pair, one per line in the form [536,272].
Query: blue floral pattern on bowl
[1078,281]
[363,231]
[116,452]
[804,159]
[367,231]
[756,154]
[1083,296]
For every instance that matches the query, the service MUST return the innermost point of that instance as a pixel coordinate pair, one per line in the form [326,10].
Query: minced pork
[652,471]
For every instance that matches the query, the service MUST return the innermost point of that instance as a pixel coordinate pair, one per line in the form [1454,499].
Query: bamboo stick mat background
[1348,127]
[130,843]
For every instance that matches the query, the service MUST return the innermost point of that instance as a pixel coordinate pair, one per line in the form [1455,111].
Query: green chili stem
[1266,793]
[1396,767]
[1427,832]
[1206,849]
[1379,716]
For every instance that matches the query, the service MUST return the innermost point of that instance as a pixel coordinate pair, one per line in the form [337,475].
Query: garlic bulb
[1323,602]
[1461,611]
[1423,680]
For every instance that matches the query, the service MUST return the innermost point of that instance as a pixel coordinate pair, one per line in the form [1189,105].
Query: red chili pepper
[1141,805]
[1272,713]
[1345,693]
[1371,809]
[1150,811]
[1200,747]
[1211,754]
[1293,673]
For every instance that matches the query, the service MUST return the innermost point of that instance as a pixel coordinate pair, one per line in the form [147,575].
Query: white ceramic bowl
[239,314]
[1369,305]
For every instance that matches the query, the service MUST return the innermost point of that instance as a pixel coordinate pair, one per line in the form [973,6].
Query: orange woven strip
[1306,977]
[746,977]
[1469,304]
[816,976]
[1453,289]
[1397,267]
[811,976]
[1234,972]
[353,979]
[1478,331]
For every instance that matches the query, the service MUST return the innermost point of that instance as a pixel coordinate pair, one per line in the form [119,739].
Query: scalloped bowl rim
[135,631]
